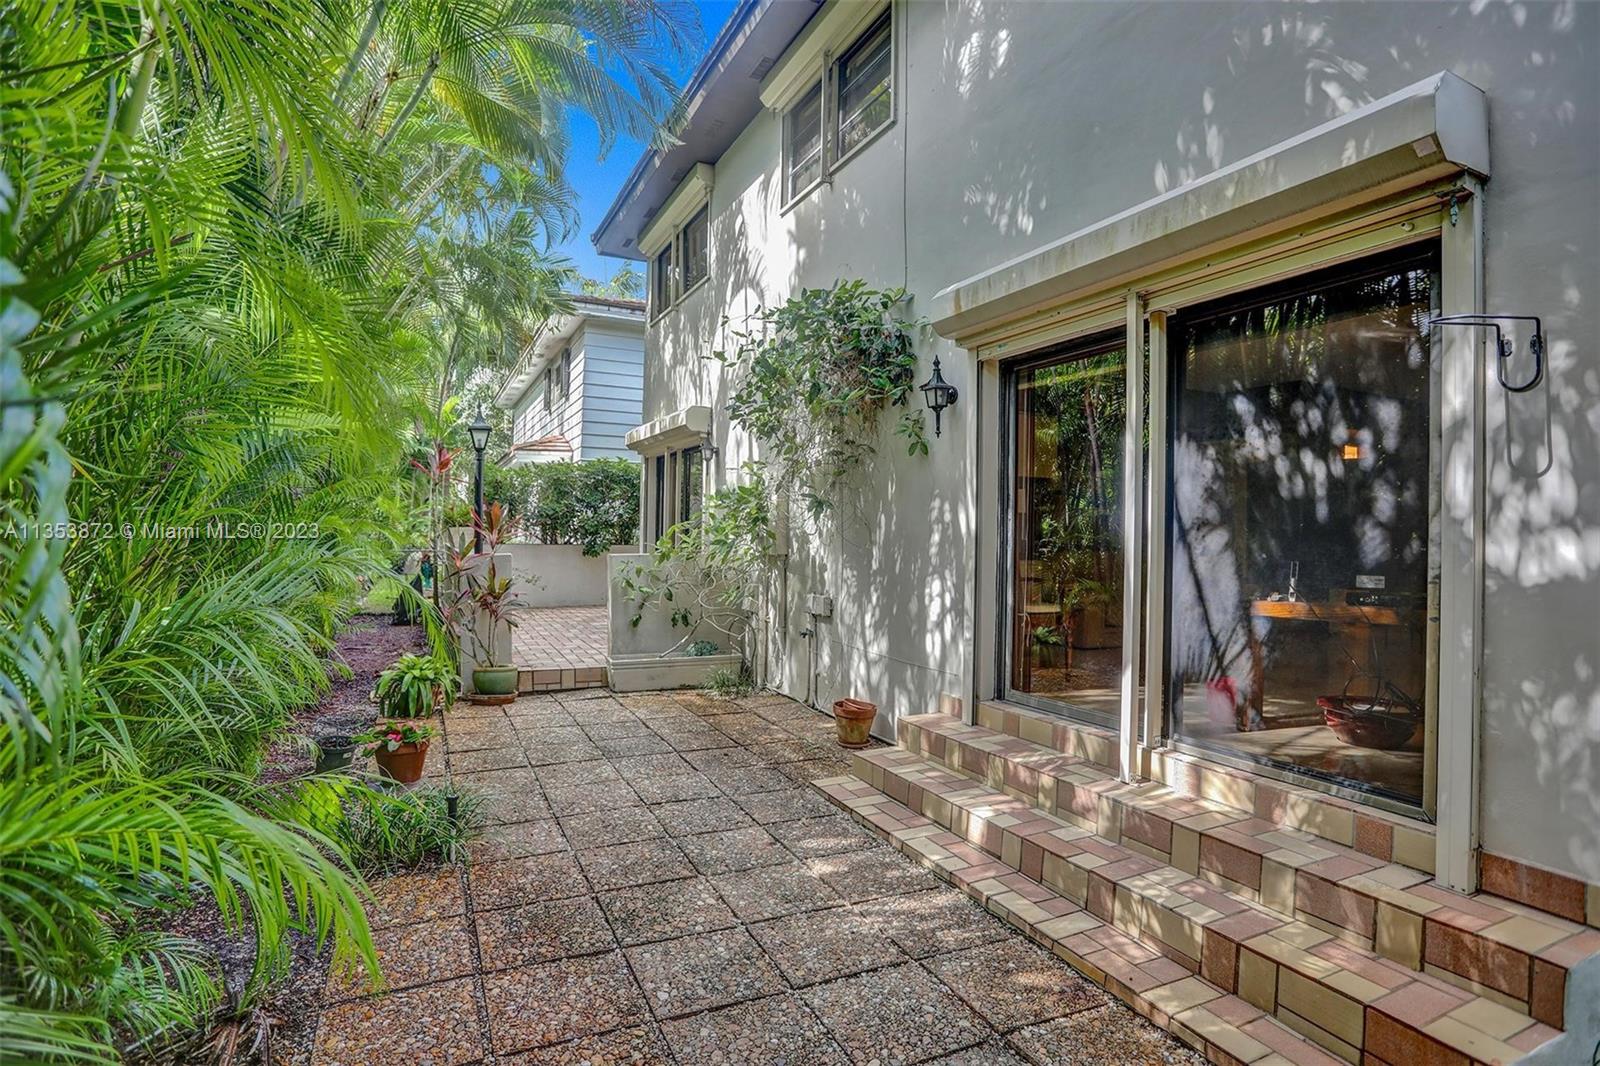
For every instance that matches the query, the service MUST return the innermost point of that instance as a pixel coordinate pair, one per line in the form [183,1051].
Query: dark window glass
[696,242]
[1301,455]
[1066,568]
[549,388]
[865,100]
[566,372]
[661,497]
[661,281]
[691,484]
[803,141]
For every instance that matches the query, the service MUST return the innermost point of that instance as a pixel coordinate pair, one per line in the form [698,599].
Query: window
[660,497]
[802,139]
[865,103]
[566,372]
[695,248]
[549,386]
[1302,458]
[1065,610]
[691,483]
[661,281]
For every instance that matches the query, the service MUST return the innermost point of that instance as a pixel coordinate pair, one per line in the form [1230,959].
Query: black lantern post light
[479,432]
[940,394]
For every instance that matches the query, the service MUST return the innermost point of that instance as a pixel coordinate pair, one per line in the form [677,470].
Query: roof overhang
[721,99]
[1437,127]
[557,332]
[682,428]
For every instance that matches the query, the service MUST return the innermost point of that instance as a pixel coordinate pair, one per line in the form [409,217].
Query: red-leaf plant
[482,603]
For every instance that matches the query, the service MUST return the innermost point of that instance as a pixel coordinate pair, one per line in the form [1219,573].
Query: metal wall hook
[1503,347]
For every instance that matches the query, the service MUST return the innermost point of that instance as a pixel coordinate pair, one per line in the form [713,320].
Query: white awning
[682,428]
[1433,129]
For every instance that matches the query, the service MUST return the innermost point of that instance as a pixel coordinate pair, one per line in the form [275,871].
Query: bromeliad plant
[392,736]
[414,685]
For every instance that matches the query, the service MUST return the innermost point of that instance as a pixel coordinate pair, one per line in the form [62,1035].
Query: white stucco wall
[1018,123]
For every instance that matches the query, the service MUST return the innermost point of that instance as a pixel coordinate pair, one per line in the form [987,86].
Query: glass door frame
[1088,346]
[1162,532]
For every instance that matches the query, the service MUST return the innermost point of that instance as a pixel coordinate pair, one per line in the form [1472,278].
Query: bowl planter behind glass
[400,748]
[853,719]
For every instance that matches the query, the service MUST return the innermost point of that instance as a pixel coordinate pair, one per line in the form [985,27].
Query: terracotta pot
[404,763]
[853,718]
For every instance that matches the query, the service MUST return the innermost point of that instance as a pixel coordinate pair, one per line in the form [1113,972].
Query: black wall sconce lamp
[1503,347]
[939,394]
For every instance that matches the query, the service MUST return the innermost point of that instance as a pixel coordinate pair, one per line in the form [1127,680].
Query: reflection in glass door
[1064,640]
[1301,475]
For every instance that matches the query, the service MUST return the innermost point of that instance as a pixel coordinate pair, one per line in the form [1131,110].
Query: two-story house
[1254,582]
[578,389]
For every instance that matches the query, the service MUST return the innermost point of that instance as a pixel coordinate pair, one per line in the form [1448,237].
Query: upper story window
[802,141]
[549,387]
[684,263]
[865,101]
[566,372]
[695,248]
[661,281]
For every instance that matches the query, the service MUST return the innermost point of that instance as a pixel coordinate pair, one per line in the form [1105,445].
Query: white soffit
[686,426]
[830,32]
[1437,127]
[693,191]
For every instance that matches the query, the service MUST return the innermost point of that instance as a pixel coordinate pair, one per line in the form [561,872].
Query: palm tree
[229,237]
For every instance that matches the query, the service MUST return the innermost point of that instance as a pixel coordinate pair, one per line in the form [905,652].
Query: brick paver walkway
[559,638]
[659,884]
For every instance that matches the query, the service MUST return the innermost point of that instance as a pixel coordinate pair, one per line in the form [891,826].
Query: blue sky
[597,180]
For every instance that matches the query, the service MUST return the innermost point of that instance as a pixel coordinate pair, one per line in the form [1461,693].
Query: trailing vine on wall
[812,377]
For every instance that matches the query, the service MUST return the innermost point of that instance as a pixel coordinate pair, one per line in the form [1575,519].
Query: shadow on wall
[1241,77]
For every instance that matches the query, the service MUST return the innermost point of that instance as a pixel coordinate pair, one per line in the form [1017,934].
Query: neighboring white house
[1244,219]
[578,391]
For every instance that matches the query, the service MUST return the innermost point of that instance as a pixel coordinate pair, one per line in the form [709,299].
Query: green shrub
[405,689]
[726,683]
[702,647]
[594,504]
[383,831]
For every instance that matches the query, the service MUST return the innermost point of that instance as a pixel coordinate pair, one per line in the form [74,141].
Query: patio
[559,648]
[658,883]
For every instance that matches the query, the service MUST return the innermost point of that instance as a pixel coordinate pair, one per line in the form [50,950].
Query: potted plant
[1050,650]
[853,719]
[400,748]
[483,607]
[334,751]
[414,686]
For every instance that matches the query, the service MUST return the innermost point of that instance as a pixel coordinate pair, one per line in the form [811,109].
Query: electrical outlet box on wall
[819,605]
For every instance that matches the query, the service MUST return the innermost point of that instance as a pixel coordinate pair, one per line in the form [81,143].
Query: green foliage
[405,689]
[510,486]
[701,648]
[726,683]
[1048,636]
[812,378]
[391,735]
[244,248]
[705,572]
[385,831]
[593,503]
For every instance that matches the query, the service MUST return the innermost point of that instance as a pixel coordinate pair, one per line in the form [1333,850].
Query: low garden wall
[638,659]
[558,575]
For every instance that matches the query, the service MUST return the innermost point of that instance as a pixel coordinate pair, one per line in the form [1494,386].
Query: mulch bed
[368,644]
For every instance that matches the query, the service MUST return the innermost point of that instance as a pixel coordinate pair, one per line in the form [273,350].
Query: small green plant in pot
[400,748]
[415,686]
[483,609]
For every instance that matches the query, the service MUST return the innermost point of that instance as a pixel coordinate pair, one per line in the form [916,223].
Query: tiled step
[1504,951]
[1345,996]
[1227,1029]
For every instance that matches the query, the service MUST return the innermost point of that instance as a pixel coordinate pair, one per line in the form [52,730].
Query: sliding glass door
[1064,585]
[1303,468]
